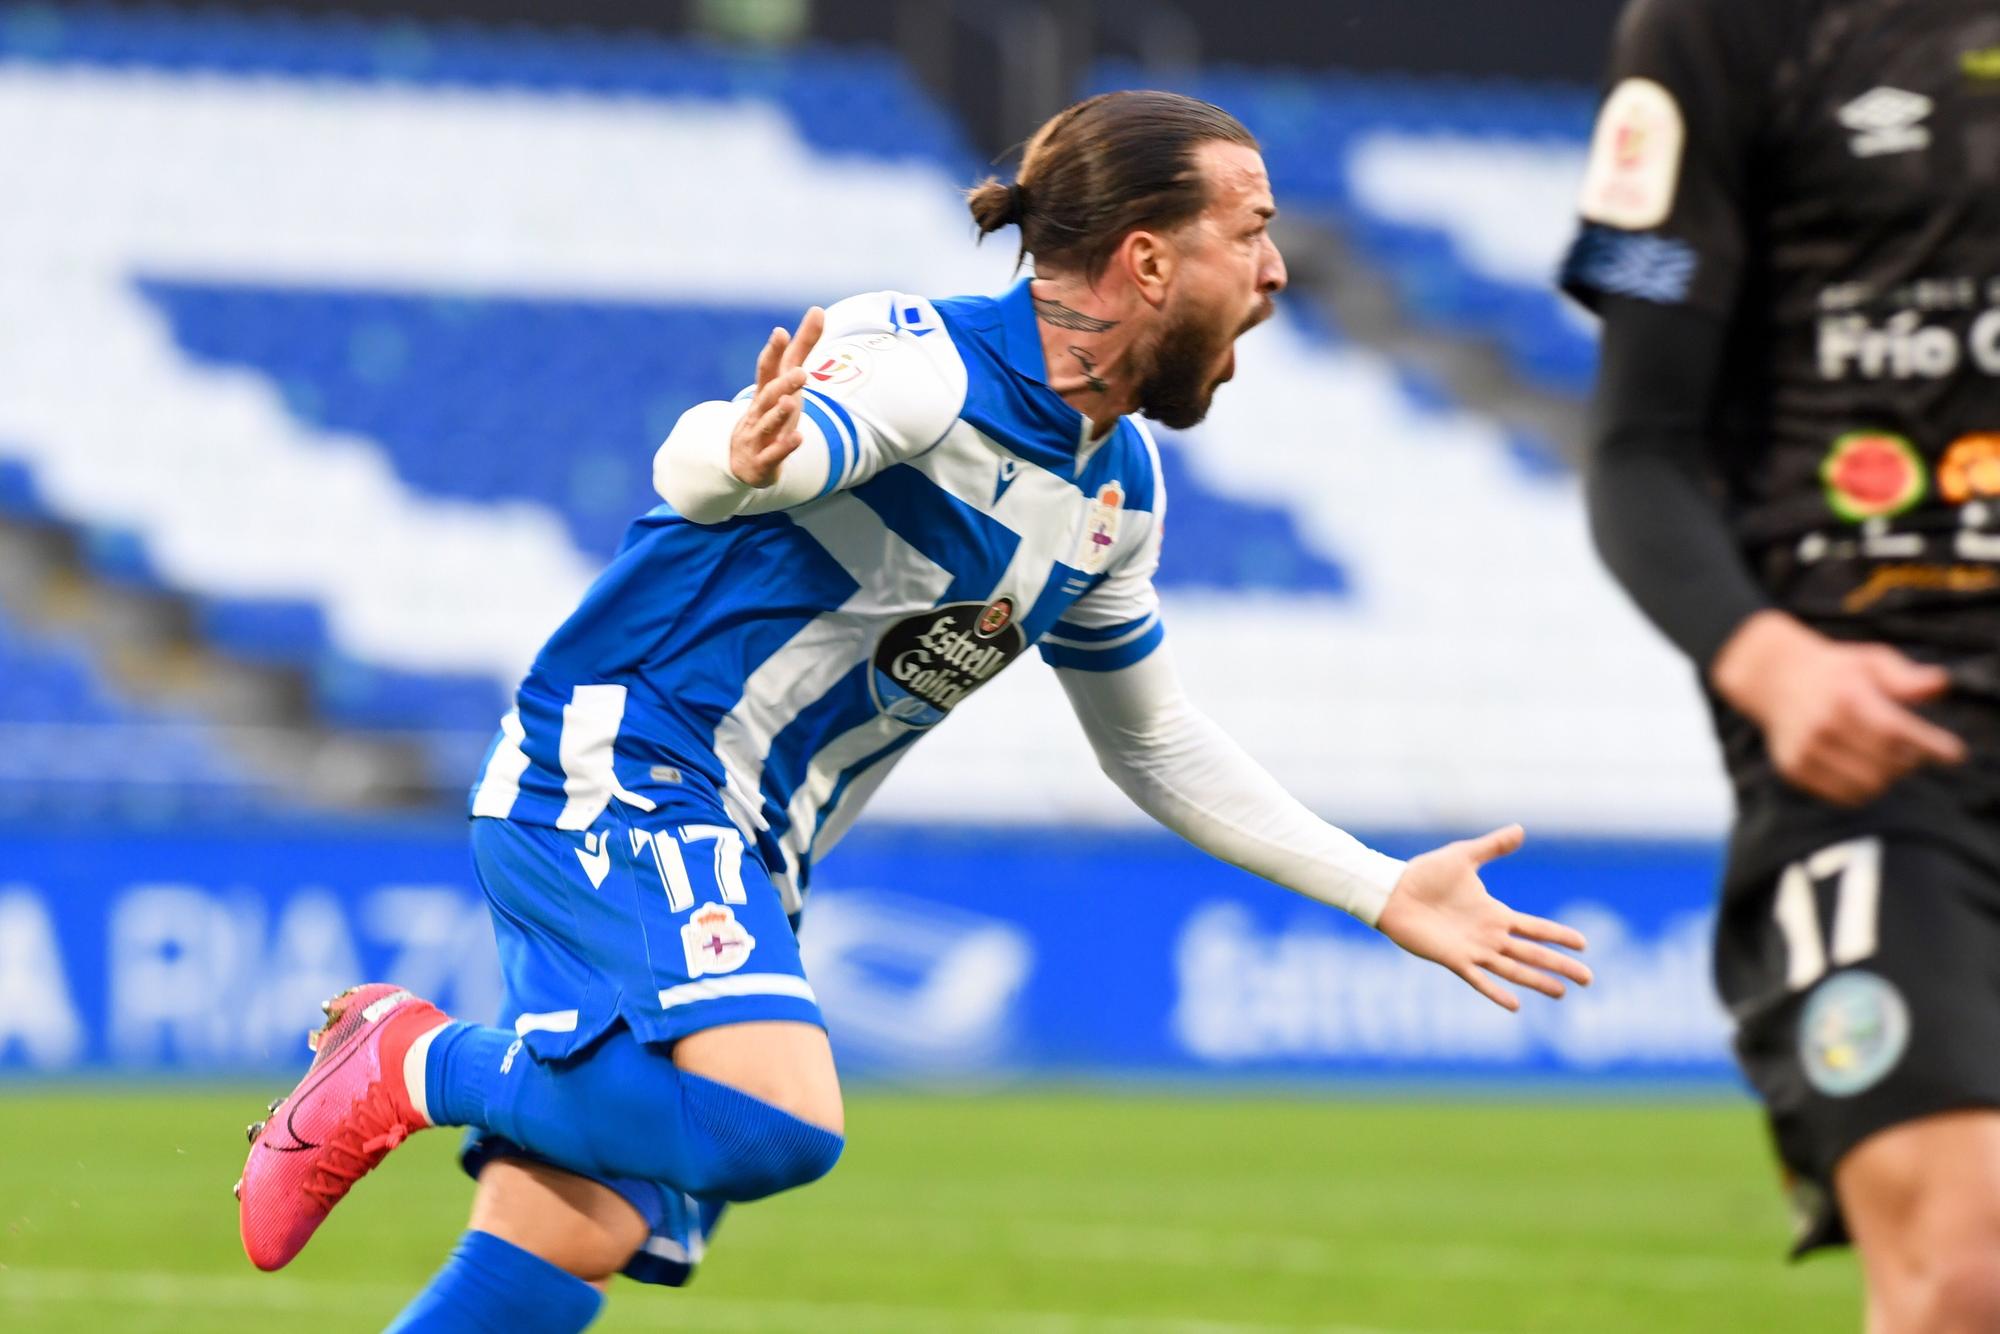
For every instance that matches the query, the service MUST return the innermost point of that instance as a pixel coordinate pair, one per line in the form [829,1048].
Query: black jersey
[1824,176]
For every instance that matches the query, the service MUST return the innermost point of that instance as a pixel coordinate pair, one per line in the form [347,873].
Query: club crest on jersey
[714,941]
[925,664]
[840,366]
[1100,529]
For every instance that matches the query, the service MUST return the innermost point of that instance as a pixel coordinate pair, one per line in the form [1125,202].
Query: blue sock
[624,1109]
[490,1286]
[461,1070]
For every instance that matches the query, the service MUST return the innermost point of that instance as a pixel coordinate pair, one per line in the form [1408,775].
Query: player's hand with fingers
[768,432]
[1440,910]
[1838,718]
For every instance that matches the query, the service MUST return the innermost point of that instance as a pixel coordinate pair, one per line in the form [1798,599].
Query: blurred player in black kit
[1791,228]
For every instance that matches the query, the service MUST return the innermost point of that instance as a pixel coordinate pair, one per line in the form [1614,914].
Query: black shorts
[1864,978]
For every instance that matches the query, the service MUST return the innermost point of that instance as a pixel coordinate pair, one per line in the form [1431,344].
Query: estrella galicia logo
[925,664]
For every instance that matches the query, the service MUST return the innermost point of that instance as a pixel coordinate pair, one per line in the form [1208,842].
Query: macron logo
[595,854]
[1887,120]
[1008,467]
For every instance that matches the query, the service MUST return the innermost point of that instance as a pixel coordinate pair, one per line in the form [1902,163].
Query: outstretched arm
[857,388]
[725,459]
[1184,771]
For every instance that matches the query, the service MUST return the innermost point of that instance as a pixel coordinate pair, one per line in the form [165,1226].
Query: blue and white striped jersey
[788,659]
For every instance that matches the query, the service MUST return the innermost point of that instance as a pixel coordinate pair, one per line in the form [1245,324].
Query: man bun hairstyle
[1101,168]
[995,205]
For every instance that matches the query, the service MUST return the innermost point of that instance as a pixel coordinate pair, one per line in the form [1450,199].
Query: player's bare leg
[1922,1201]
[789,1065]
[580,1226]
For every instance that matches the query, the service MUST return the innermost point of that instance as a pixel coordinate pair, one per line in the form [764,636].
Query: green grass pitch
[1064,1212]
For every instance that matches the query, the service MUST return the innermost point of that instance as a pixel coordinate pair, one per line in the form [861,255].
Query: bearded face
[1192,356]
[1223,274]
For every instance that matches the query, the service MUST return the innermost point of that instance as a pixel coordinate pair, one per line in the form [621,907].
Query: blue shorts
[664,922]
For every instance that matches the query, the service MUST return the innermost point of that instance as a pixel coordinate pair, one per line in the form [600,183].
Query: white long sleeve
[878,391]
[1187,773]
[691,469]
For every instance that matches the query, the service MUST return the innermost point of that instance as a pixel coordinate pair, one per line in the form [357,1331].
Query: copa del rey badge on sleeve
[1100,529]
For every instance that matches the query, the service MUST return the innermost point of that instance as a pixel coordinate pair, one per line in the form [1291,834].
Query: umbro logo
[1887,120]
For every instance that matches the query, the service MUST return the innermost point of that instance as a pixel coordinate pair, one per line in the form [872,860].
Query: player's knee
[753,1148]
[1962,1291]
[595,1253]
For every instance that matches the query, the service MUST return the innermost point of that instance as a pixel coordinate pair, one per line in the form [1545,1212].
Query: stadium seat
[72,748]
[370,366]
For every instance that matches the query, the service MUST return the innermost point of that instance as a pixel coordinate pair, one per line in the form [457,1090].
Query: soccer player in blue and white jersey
[910,495]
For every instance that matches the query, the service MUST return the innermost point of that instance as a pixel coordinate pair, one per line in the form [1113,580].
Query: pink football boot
[343,1118]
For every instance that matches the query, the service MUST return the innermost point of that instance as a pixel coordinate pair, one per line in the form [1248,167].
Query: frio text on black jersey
[1823,178]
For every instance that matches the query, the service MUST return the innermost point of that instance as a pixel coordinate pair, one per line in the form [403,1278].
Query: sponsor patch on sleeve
[841,365]
[1635,157]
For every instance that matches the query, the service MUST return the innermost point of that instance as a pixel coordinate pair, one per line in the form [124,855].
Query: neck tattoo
[1064,317]
[1089,367]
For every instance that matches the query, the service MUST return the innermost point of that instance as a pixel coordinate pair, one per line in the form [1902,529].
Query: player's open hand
[769,430]
[1440,911]
[1837,717]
